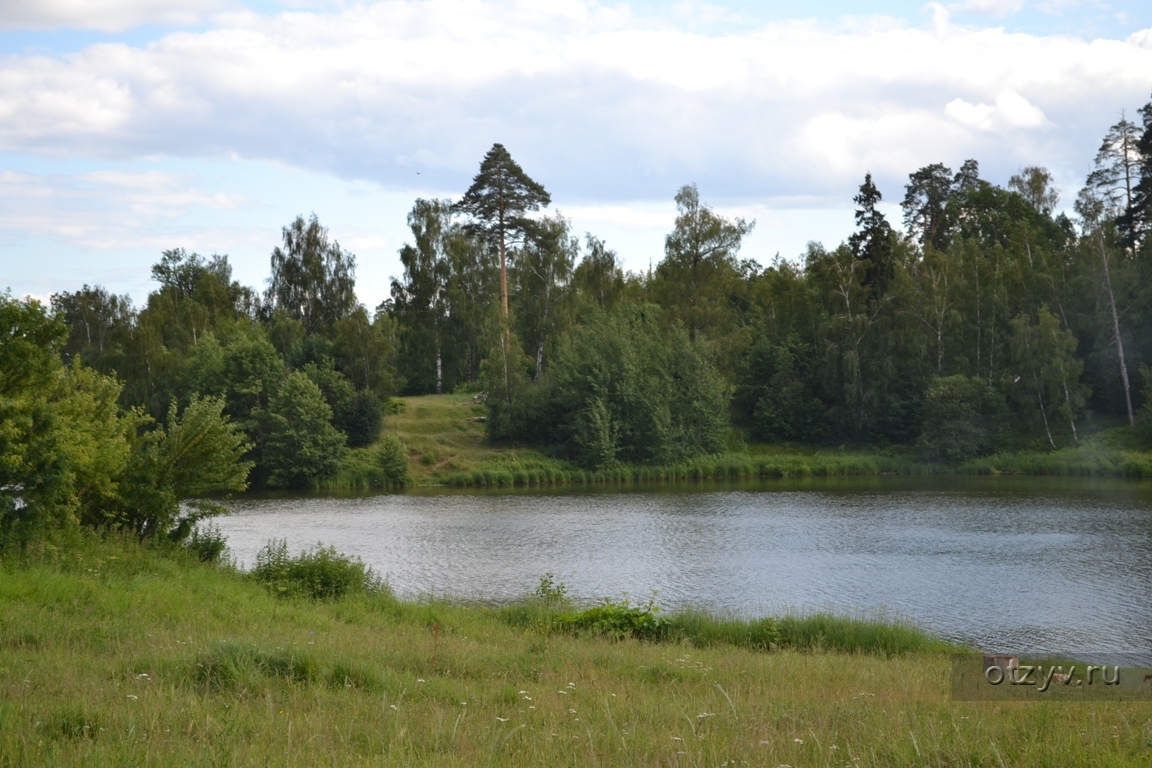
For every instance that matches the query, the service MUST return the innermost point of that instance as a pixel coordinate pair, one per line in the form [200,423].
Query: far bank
[444,436]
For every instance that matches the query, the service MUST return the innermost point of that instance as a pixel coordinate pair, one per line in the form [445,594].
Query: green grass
[447,446]
[114,654]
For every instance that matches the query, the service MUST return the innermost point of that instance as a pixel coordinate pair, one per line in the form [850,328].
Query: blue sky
[127,128]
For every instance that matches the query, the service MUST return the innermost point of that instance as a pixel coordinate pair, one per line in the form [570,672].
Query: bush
[319,574]
[622,389]
[392,462]
[551,592]
[208,543]
[963,418]
[360,417]
[302,446]
[617,619]
[776,395]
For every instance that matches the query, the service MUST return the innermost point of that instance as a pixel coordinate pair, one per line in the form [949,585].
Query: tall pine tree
[500,197]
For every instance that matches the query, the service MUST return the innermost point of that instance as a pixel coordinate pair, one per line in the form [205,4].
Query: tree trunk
[439,368]
[939,348]
[1071,418]
[1116,330]
[979,329]
[1040,394]
[503,268]
[1043,413]
[543,325]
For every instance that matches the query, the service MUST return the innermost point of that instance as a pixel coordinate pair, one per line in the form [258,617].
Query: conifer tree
[873,242]
[500,196]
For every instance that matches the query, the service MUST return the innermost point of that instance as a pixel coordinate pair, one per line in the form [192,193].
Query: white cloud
[1143,38]
[996,8]
[105,15]
[595,102]
[1011,110]
[103,209]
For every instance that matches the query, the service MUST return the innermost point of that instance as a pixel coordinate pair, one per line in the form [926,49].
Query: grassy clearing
[446,446]
[112,654]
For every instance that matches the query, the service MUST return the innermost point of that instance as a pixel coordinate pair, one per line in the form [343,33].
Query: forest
[981,322]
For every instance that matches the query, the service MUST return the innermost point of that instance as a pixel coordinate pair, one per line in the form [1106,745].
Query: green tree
[542,272]
[777,393]
[694,281]
[1116,170]
[1048,372]
[301,446]
[622,389]
[1034,184]
[926,204]
[99,323]
[963,418]
[937,283]
[69,454]
[598,278]
[505,376]
[1135,221]
[196,296]
[199,452]
[497,202]
[361,417]
[873,242]
[420,303]
[313,279]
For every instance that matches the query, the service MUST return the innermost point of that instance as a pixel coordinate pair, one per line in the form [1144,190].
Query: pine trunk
[1116,331]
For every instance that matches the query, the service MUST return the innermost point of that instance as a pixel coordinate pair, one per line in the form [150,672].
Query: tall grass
[113,653]
[701,629]
[1088,461]
[731,466]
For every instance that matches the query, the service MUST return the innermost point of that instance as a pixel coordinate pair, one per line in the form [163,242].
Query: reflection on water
[1017,564]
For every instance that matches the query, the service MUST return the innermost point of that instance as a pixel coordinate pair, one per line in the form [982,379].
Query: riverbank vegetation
[120,653]
[447,443]
[985,332]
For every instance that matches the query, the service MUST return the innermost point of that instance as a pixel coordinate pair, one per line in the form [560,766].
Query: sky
[128,127]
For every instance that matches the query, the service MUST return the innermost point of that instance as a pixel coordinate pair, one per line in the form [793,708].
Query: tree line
[982,321]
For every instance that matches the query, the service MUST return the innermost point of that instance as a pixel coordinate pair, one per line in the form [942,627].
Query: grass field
[447,446]
[113,654]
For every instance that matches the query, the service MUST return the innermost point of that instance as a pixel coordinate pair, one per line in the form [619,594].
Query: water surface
[1020,564]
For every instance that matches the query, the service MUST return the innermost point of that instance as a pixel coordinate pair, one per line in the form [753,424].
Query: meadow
[117,653]
[445,439]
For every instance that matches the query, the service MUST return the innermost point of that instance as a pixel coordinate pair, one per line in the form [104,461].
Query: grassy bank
[444,436]
[115,655]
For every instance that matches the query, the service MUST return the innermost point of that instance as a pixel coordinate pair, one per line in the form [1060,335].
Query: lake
[1035,565]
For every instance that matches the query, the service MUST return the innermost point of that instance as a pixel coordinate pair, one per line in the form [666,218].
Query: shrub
[618,619]
[621,389]
[550,591]
[319,574]
[360,417]
[963,418]
[208,543]
[302,445]
[392,461]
